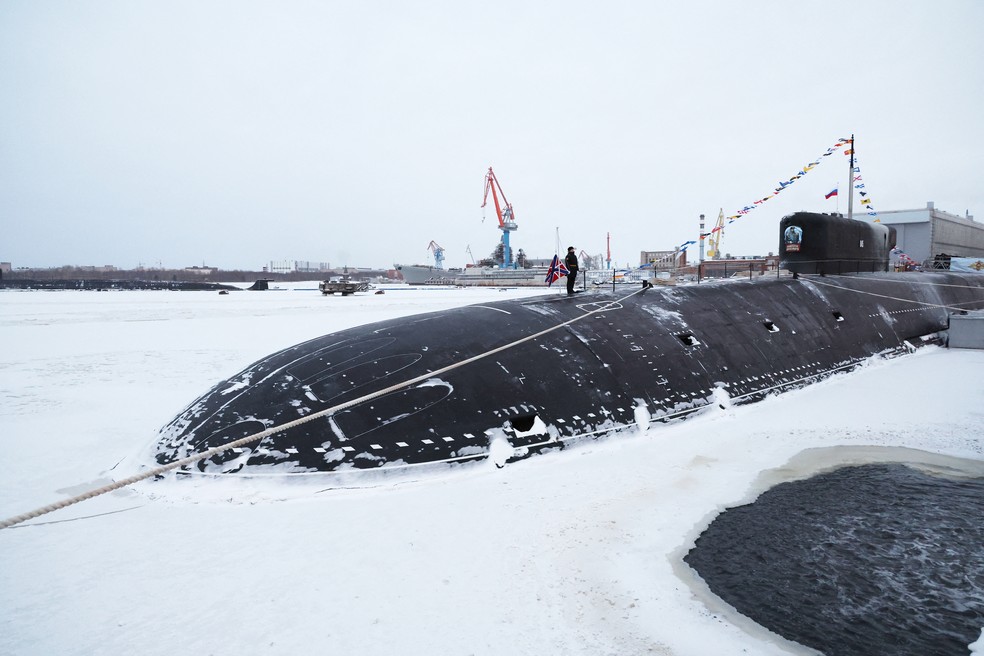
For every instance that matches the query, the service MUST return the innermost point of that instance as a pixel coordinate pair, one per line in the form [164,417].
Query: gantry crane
[714,240]
[507,220]
[438,253]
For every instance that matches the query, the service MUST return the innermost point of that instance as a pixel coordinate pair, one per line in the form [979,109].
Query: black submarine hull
[603,362]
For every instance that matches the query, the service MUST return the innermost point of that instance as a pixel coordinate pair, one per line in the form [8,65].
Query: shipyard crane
[468,250]
[438,253]
[586,259]
[504,212]
[714,241]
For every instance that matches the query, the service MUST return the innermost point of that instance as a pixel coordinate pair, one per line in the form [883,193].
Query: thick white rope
[904,278]
[896,298]
[156,471]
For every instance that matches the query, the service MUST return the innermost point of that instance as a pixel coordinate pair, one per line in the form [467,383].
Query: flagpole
[850,183]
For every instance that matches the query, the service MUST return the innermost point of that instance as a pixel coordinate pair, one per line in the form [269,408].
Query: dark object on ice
[862,561]
[343,286]
[260,285]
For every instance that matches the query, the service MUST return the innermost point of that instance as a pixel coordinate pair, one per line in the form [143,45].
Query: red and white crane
[504,212]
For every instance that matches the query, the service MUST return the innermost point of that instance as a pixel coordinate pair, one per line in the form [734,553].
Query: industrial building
[925,233]
[663,260]
[296,266]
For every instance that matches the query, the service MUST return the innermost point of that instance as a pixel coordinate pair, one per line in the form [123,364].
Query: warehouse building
[925,233]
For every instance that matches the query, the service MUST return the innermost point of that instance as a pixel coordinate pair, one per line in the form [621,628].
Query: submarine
[505,380]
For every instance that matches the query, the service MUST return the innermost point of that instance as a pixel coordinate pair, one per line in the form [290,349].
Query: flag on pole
[556,270]
[831,194]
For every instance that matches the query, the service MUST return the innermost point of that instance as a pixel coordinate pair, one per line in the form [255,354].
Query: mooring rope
[255,437]
[903,278]
[896,298]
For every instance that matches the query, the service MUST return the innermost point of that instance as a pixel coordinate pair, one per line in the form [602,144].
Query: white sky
[235,133]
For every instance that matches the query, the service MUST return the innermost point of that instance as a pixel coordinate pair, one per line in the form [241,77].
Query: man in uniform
[571,262]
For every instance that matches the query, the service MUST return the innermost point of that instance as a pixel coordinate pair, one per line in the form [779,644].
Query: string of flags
[682,248]
[782,185]
[859,185]
[857,182]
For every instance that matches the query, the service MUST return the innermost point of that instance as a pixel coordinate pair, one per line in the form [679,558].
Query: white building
[924,233]
[201,270]
[291,266]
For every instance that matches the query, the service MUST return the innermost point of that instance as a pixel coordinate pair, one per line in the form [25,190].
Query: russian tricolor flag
[832,193]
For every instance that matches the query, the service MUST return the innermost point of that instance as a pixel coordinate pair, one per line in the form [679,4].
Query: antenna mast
[850,184]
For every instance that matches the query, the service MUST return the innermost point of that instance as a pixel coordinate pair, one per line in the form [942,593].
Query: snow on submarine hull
[670,351]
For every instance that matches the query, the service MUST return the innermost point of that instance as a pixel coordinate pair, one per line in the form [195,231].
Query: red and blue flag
[556,270]
[831,194]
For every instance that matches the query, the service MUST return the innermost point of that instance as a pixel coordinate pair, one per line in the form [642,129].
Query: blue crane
[438,253]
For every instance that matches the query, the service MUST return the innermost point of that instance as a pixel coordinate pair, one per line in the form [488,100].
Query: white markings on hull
[486,307]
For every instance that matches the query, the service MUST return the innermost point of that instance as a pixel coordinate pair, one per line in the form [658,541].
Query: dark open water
[869,560]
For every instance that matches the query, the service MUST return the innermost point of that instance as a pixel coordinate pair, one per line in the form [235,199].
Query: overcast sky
[235,133]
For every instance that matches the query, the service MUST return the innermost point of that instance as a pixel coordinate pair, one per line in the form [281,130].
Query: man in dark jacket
[571,262]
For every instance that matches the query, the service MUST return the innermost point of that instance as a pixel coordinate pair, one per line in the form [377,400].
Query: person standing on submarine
[571,262]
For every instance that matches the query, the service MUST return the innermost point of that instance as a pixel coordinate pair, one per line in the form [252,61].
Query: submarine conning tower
[811,242]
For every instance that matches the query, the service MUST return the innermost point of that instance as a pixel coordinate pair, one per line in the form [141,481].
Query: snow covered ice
[572,552]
